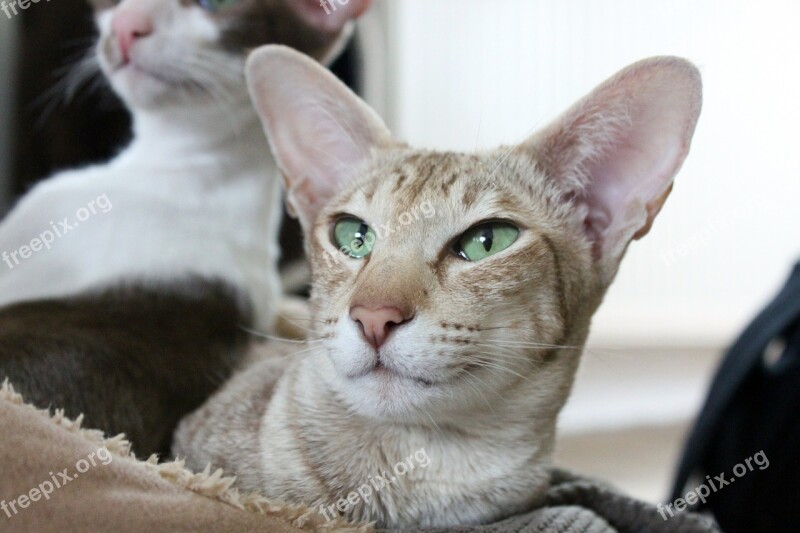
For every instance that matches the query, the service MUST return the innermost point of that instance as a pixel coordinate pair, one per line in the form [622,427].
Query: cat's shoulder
[72,181]
[225,431]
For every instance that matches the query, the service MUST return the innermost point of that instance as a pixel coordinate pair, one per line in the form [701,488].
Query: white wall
[476,73]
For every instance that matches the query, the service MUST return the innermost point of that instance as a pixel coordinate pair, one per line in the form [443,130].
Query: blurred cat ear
[319,130]
[329,16]
[615,153]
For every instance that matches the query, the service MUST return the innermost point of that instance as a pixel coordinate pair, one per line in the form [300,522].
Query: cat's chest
[453,485]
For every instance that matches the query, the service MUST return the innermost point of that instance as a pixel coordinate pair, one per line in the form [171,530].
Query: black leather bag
[753,406]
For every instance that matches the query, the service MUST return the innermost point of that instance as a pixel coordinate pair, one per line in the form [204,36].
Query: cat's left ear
[615,153]
[320,132]
[329,16]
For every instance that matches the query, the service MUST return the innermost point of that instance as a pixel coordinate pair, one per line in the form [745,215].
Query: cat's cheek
[351,356]
[103,21]
[352,363]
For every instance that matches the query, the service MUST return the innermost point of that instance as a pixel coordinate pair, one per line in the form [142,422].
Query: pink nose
[128,26]
[376,324]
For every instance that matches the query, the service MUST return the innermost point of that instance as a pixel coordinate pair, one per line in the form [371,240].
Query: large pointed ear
[615,153]
[329,16]
[319,130]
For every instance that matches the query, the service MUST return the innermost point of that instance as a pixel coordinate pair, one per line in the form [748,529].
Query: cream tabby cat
[446,333]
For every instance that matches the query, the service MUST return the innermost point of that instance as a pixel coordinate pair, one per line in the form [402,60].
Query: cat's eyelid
[452,248]
[494,220]
[343,214]
[336,217]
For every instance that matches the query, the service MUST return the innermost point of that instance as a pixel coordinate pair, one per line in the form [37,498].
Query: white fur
[196,192]
[181,205]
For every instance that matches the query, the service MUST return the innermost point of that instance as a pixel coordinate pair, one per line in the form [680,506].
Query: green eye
[216,5]
[483,240]
[353,237]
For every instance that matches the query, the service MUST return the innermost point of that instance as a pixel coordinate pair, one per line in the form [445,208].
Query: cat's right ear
[320,132]
[615,153]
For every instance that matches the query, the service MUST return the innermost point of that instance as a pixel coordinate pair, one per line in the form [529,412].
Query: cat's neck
[493,463]
[186,139]
[509,419]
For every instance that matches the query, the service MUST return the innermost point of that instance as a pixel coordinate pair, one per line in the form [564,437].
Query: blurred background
[467,74]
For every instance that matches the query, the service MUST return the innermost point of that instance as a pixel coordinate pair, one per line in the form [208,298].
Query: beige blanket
[56,476]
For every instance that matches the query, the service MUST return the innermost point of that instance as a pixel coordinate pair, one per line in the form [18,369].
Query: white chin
[390,396]
[138,89]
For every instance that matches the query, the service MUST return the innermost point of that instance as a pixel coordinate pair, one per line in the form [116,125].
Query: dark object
[575,504]
[50,134]
[133,359]
[753,405]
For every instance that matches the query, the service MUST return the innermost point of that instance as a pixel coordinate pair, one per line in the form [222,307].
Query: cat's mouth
[134,68]
[118,65]
[383,372]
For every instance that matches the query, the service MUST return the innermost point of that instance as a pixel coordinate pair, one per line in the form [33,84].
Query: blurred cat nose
[128,26]
[376,324]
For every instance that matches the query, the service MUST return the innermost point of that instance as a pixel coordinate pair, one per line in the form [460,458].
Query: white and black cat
[127,283]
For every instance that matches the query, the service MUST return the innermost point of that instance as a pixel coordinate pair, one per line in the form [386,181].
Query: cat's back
[87,228]
[133,359]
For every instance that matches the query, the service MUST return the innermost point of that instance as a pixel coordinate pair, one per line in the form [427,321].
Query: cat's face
[448,284]
[191,52]
[472,257]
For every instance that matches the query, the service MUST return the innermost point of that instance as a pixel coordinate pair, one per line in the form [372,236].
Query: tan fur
[293,319]
[489,356]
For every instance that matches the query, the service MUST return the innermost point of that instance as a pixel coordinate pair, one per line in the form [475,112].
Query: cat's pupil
[486,238]
[360,235]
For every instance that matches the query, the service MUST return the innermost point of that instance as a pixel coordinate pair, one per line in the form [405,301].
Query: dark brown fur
[257,22]
[132,359]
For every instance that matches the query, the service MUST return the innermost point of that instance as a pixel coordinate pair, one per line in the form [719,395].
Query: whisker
[80,71]
[434,423]
[259,334]
[479,391]
[510,356]
[525,344]
[489,364]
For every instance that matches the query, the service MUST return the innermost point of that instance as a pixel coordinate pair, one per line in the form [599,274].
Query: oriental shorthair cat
[457,334]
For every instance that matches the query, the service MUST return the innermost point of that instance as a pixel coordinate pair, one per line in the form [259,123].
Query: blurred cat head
[189,52]
[448,284]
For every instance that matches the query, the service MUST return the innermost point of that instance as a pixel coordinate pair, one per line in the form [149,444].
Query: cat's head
[187,53]
[447,284]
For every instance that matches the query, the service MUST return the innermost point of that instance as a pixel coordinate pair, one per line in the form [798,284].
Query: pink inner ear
[632,173]
[320,131]
[615,152]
